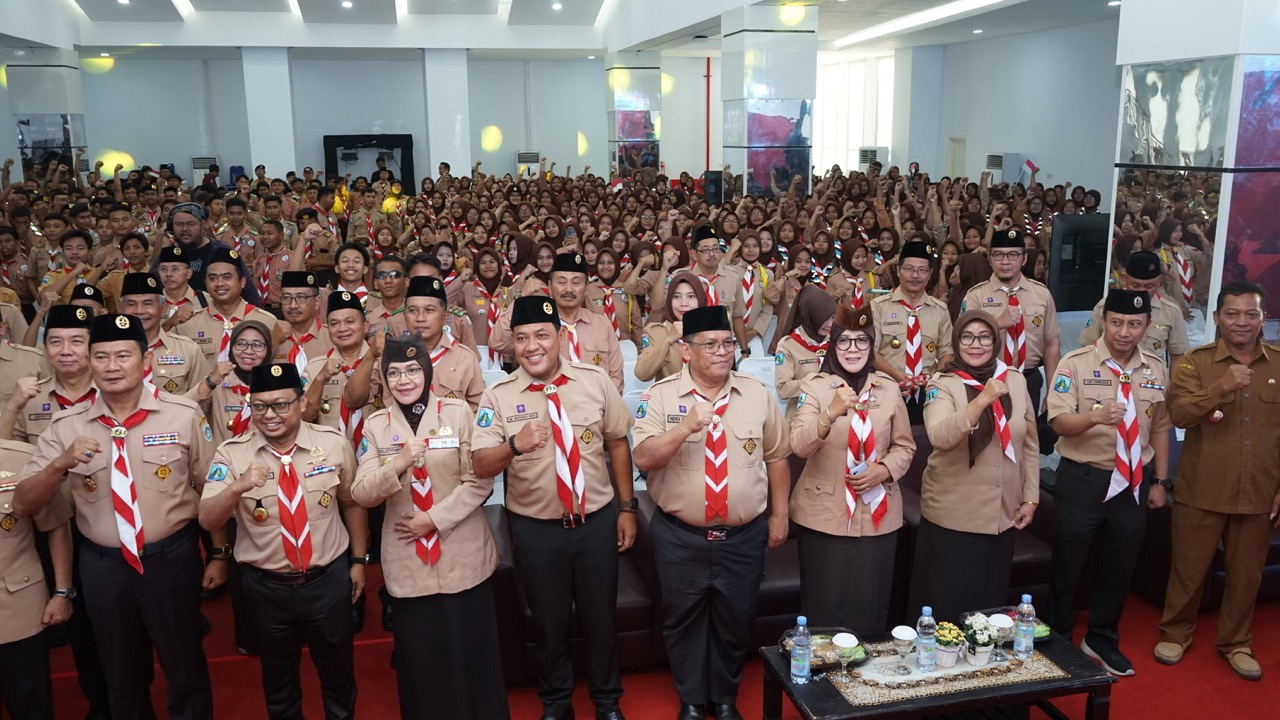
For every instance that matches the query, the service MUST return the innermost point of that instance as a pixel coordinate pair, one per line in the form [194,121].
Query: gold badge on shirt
[170,386]
[8,522]
[317,452]
[586,436]
[325,499]
[451,396]
[597,359]
[163,472]
[1037,320]
[932,347]
[377,402]
[90,484]
[1151,410]
[749,446]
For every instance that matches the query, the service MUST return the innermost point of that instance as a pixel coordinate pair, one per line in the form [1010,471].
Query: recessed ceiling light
[1114,3]
[346,4]
[123,2]
[591,57]
[556,6]
[104,54]
[978,31]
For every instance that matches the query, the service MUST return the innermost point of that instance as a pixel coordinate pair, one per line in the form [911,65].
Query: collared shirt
[331,394]
[274,263]
[659,355]
[38,412]
[316,346]
[23,602]
[178,365]
[1039,314]
[891,327]
[17,361]
[756,436]
[206,330]
[1166,335]
[792,364]
[1228,466]
[761,306]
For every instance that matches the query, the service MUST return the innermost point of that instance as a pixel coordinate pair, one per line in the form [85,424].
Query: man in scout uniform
[306,337]
[211,327]
[589,338]
[319,245]
[274,209]
[1228,485]
[270,264]
[1166,338]
[391,280]
[913,328]
[456,321]
[1107,406]
[327,375]
[134,461]
[720,281]
[365,220]
[284,482]
[567,528]
[181,301]
[1023,308]
[710,533]
[238,234]
[18,361]
[177,364]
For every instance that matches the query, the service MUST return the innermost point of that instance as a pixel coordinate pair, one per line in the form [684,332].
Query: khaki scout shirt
[169,452]
[274,264]
[223,405]
[457,324]
[1227,466]
[325,466]
[982,498]
[818,501]
[596,341]
[18,361]
[178,366]
[315,346]
[792,364]
[467,551]
[597,413]
[659,353]
[331,396]
[1083,380]
[761,308]
[23,599]
[382,321]
[726,280]
[38,413]
[756,436]
[1166,335]
[476,306]
[1039,313]
[891,326]
[455,375]
[206,330]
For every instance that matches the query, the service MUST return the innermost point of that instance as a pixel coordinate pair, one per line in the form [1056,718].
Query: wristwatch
[629,506]
[1165,483]
[208,380]
[511,444]
[360,559]
[220,553]
[69,593]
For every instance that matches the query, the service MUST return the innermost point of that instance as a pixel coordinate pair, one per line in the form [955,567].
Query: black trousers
[563,570]
[1084,522]
[25,685]
[84,647]
[846,581]
[709,595]
[133,613]
[915,407]
[448,656]
[956,572]
[317,613]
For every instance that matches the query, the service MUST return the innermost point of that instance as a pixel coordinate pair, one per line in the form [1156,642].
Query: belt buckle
[572,521]
[717,534]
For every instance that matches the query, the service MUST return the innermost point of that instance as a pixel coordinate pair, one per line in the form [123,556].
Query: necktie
[124,496]
[240,423]
[575,349]
[1185,275]
[295,530]
[862,452]
[717,460]
[428,546]
[748,294]
[997,408]
[1015,341]
[570,485]
[610,310]
[1128,472]
[64,402]
[913,358]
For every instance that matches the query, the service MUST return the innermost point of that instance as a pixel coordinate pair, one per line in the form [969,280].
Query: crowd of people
[280,381]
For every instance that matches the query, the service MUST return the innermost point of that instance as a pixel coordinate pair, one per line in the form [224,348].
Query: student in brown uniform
[177,364]
[913,328]
[752,309]
[26,608]
[660,355]
[1228,486]
[438,555]
[270,263]
[484,297]
[18,361]
[713,523]
[386,313]
[804,343]
[226,401]
[211,327]
[849,515]
[304,336]
[719,280]
[567,528]
[1107,406]
[983,478]
[327,375]
[144,455]
[284,483]
[1024,310]
[1166,338]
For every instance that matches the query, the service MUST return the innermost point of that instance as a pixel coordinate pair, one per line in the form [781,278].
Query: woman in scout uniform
[852,426]
[785,289]
[604,294]
[803,344]
[855,284]
[438,554]
[752,312]
[226,404]
[983,477]
[485,295]
[647,277]
[660,345]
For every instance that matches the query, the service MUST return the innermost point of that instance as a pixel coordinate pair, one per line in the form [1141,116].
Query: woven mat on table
[868,687]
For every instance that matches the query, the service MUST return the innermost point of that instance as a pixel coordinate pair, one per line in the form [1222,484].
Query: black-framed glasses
[1009,255]
[984,341]
[862,342]
[388,275]
[715,347]
[299,299]
[254,345]
[395,375]
[279,407]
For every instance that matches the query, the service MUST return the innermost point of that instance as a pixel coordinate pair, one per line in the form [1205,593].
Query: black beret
[112,327]
[427,286]
[268,377]
[224,255]
[1128,302]
[343,300]
[140,283]
[174,254]
[534,309]
[68,316]
[570,262]
[297,279]
[1143,265]
[916,249]
[702,232]
[706,319]
[85,291]
[1011,239]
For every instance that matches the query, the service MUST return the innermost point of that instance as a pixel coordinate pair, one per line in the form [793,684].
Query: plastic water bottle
[1024,629]
[801,655]
[926,642]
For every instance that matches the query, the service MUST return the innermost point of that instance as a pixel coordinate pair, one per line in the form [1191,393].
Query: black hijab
[409,348]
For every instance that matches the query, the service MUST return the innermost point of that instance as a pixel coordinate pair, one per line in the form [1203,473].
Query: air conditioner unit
[349,156]
[386,156]
[200,166]
[868,155]
[1007,167]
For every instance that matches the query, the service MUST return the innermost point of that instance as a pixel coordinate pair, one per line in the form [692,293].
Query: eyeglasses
[1010,255]
[388,275]
[914,270]
[395,375]
[844,342]
[299,299]
[279,407]
[709,250]
[715,348]
[254,345]
[648,217]
[985,341]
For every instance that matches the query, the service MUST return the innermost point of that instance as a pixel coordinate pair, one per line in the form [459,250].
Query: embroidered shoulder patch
[484,418]
[1061,383]
[777,358]
[645,341]
[363,449]
[931,394]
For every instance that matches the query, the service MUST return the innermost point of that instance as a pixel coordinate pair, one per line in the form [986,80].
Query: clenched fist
[533,436]
[1111,413]
[81,451]
[1236,377]
[409,455]
[993,391]
[251,479]
[698,419]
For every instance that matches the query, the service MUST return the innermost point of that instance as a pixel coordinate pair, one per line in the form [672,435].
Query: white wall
[8,133]
[684,116]
[1053,96]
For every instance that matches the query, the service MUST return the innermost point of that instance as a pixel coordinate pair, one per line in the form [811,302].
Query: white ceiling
[241,5]
[376,12]
[135,11]
[572,12]
[453,7]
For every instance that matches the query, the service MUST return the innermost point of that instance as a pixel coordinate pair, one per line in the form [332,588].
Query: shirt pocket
[91,481]
[322,493]
[177,373]
[9,529]
[24,577]
[266,498]
[162,468]
[749,452]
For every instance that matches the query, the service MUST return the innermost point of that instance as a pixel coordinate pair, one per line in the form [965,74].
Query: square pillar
[268,92]
[448,113]
[633,102]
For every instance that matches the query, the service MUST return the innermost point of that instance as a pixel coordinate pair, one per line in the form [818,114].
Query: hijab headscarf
[814,306]
[490,284]
[617,267]
[831,363]
[409,348]
[682,276]
[545,277]
[981,436]
[236,332]
[524,252]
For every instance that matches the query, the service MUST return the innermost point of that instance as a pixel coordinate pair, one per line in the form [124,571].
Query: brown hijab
[981,436]
[974,268]
[683,276]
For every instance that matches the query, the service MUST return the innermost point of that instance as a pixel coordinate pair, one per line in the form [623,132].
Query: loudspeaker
[1078,260]
[713,187]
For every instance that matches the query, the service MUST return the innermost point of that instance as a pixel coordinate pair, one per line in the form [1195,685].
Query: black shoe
[726,711]
[614,714]
[689,712]
[548,715]
[205,627]
[357,616]
[1110,657]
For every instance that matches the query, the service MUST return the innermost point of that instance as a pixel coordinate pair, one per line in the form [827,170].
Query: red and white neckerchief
[716,463]
[124,496]
[149,377]
[224,347]
[65,402]
[611,310]
[713,298]
[446,342]
[264,279]
[1185,274]
[237,238]
[4,274]
[153,216]
[295,530]
[490,312]
[817,348]
[575,348]
[297,354]
[862,233]
[862,452]
[240,423]
[428,546]
[879,258]
[912,356]
[1015,340]
[1033,225]
[1128,472]
[368,227]
[749,294]
[859,296]
[350,422]
[570,485]
[997,408]
[820,274]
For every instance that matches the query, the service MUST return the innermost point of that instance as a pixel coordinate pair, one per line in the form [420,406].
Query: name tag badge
[444,443]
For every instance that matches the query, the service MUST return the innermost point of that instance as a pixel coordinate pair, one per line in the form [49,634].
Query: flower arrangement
[978,631]
[948,635]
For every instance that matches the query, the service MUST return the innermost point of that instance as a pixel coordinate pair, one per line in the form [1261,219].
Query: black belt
[159,547]
[568,521]
[301,577]
[714,533]
[1084,469]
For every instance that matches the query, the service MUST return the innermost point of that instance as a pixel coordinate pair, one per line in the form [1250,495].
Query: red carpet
[1203,684]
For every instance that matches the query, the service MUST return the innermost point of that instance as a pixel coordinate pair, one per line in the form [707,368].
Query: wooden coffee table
[820,700]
